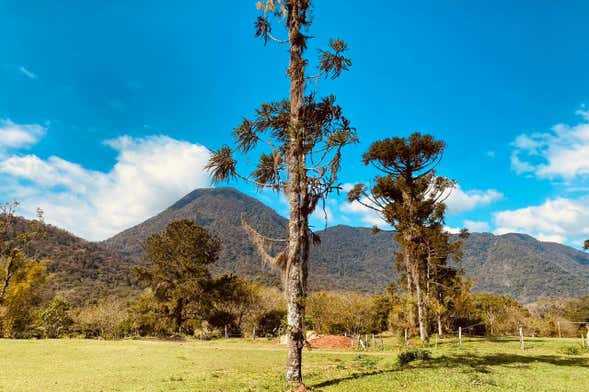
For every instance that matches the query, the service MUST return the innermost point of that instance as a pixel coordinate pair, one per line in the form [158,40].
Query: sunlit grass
[242,365]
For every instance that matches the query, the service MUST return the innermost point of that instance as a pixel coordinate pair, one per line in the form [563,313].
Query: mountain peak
[352,258]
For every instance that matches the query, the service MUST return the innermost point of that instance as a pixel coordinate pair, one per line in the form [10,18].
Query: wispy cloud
[28,73]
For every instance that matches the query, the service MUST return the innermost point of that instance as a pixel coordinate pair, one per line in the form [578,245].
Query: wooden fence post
[460,336]
[559,334]
[226,334]
[406,340]
[437,340]
[521,338]
[254,333]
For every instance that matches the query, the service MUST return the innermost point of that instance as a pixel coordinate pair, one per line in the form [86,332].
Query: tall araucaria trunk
[421,317]
[298,227]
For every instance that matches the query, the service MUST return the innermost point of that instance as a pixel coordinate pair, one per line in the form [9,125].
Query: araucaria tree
[410,197]
[304,136]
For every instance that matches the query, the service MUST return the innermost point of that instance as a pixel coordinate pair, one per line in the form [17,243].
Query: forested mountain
[357,259]
[78,270]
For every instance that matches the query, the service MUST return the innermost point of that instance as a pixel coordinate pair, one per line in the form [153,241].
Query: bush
[571,350]
[272,323]
[105,319]
[55,321]
[407,356]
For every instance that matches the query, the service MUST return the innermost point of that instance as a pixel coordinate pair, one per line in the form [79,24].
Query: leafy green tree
[409,196]
[146,316]
[305,136]
[177,270]
[55,320]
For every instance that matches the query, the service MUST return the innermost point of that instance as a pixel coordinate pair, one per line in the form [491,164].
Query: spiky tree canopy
[408,194]
[298,143]
[327,132]
[324,130]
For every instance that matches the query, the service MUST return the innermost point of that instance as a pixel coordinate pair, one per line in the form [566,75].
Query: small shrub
[408,356]
[571,350]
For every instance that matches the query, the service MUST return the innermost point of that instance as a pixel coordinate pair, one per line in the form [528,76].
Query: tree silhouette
[304,137]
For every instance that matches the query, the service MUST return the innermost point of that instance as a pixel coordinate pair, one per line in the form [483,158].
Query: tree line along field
[546,364]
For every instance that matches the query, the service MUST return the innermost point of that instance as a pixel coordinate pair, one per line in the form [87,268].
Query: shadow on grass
[480,364]
[353,376]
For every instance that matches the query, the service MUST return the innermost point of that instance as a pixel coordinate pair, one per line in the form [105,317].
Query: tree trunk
[420,309]
[411,312]
[439,325]
[7,276]
[178,314]
[298,226]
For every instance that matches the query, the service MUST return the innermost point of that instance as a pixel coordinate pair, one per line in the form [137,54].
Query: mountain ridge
[354,258]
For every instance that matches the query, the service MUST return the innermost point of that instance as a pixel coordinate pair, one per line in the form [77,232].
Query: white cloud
[452,230]
[19,135]
[29,74]
[558,220]
[476,226]
[365,214]
[461,201]
[458,201]
[561,153]
[149,175]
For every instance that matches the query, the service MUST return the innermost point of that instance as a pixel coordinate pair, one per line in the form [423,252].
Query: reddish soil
[331,341]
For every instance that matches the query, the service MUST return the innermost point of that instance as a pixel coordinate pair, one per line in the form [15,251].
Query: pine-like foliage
[177,270]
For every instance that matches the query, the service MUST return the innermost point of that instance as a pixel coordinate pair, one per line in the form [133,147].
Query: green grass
[240,365]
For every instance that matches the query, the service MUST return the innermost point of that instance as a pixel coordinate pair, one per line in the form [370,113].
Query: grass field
[241,365]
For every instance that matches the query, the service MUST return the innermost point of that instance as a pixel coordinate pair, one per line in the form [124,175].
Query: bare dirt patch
[331,341]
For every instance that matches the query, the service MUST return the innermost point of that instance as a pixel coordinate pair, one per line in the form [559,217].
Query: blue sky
[108,109]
